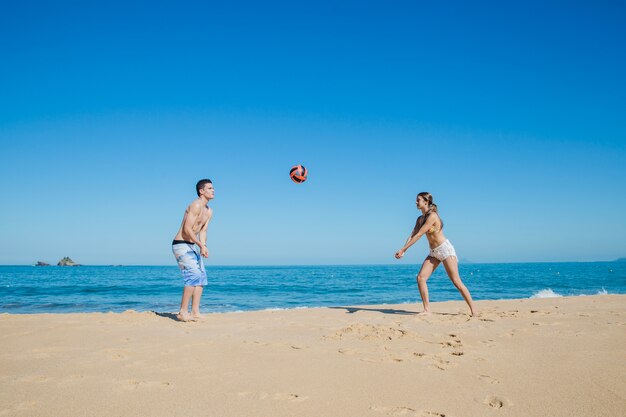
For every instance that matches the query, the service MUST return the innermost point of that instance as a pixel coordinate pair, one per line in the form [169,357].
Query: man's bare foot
[183,316]
[196,316]
[424,313]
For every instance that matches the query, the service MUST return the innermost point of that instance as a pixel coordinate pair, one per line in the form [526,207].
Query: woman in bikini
[441,250]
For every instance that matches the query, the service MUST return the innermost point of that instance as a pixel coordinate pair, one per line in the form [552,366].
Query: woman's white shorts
[443,251]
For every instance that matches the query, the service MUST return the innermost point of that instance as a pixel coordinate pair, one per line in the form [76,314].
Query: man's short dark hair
[200,185]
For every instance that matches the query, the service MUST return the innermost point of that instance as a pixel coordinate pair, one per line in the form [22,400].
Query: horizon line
[316,265]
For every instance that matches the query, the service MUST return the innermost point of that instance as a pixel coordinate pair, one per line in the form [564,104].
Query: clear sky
[512,114]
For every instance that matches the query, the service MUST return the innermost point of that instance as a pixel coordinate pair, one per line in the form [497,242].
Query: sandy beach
[530,357]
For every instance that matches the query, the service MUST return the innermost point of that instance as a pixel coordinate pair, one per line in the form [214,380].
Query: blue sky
[510,114]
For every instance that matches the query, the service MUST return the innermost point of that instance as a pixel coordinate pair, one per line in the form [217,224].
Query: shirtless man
[190,237]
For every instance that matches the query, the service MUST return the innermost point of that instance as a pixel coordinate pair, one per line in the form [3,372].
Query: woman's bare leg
[429,265]
[452,268]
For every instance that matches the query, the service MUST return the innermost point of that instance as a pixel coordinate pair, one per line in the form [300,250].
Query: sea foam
[600,292]
[547,293]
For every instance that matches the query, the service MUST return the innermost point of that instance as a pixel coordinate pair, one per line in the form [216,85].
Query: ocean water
[29,289]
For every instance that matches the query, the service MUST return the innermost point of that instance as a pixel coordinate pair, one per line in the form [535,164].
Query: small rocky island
[67,262]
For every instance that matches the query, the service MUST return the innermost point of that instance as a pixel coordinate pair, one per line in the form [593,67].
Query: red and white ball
[298,174]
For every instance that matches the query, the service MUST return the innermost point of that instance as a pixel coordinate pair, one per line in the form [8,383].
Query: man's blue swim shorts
[190,263]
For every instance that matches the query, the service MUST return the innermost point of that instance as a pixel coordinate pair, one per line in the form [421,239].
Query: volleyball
[298,174]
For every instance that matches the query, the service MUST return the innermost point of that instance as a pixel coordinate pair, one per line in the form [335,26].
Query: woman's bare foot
[183,316]
[196,316]
[424,313]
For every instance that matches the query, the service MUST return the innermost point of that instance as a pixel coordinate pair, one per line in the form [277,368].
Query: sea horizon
[461,262]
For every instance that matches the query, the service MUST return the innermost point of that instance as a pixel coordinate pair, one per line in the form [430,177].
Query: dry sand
[539,357]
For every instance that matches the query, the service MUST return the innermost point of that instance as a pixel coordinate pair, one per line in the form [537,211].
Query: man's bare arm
[193,211]
[202,235]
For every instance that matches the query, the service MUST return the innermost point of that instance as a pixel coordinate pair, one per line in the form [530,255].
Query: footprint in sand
[298,347]
[286,396]
[495,402]
[255,342]
[370,356]
[442,364]
[357,353]
[489,343]
[454,342]
[371,333]
[395,411]
[134,384]
[400,411]
[489,379]
[280,396]
[511,313]
[371,360]
[545,313]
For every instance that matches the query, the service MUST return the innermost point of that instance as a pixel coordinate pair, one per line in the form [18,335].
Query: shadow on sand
[352,310]
[171,316]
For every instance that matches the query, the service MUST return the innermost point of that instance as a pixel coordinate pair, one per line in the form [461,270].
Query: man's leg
[195,302]
[183,314]
[186,258]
